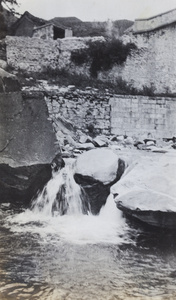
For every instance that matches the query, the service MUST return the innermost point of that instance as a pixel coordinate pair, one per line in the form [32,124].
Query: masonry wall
[36,54]
[161,20]
[135,116]
[88,111]
[32,54]
[153,64]
[143,116]
[45,32]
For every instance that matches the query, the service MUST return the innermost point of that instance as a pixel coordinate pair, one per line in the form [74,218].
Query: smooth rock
[147,141]
[150,207]
[129,141]
[150,143]
[101,164]
[96,170]
[83,139]
[99,142]
[71,87]
[148,185]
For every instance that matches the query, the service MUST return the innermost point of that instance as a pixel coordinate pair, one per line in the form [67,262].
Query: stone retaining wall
[36,54]
[135,116]
[143,116]
[86,110]
[151,65]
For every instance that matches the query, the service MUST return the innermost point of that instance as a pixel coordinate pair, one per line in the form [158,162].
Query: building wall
[45,32]
[136,116]
[142,25]
[152,64]
[68,33]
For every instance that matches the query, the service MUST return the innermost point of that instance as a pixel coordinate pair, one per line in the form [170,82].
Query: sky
[96,10]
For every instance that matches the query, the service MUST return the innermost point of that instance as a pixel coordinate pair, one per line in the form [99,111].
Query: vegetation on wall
[102,56]
[64,78]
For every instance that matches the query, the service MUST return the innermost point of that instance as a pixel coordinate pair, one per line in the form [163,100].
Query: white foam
[107,227]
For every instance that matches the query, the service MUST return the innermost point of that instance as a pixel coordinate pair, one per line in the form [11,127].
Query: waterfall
[61,195]
[61,212]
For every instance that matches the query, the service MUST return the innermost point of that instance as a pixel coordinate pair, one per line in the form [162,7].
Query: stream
[73,257]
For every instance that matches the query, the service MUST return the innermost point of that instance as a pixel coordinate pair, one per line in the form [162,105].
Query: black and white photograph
[87,149]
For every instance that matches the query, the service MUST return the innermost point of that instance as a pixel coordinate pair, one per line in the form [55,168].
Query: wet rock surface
[96,192]
[96,171]
[19,185]
[161,219]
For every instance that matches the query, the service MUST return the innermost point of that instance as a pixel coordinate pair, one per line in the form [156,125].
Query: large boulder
[147,190]
[26,134]
[8,82]
[96,170]
[150,207]
[19,185]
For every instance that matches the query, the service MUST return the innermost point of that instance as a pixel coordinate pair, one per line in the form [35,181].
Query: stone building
[152,65]
[50,31]
[155,22]
[29,26]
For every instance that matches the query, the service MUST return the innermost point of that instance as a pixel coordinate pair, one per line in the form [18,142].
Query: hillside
[67,21]
[106,29]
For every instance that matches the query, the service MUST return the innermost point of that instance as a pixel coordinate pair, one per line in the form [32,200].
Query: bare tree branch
[9,4]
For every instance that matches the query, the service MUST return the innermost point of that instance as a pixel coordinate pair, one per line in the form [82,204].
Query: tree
[6,5]
[9,4]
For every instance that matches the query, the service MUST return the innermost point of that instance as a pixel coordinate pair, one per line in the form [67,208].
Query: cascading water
[47,252]
[62,195]
[62,209]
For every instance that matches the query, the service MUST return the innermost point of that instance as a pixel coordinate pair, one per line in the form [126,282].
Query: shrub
[102,55]
[79,57]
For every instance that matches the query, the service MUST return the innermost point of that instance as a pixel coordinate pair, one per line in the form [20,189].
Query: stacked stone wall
[32,54]
[37,54]
[151,65]
[86,110]
[135,116]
